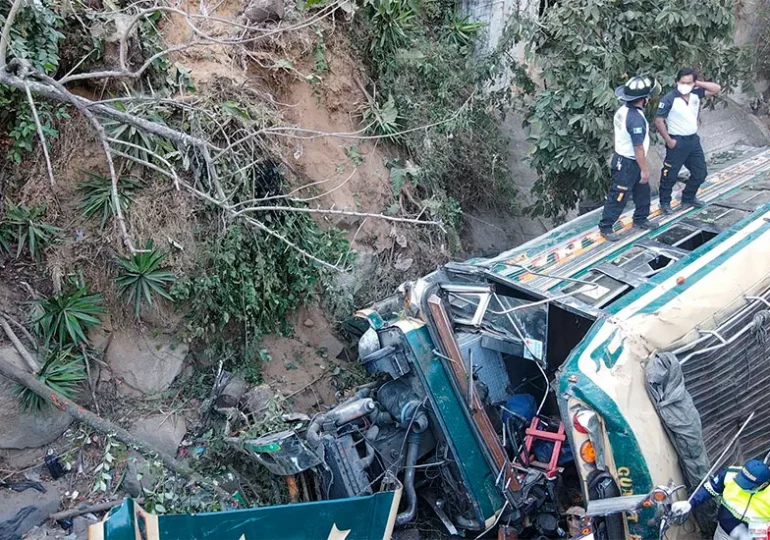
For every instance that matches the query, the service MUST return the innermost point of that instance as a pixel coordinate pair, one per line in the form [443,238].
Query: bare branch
[165,162]
[261,226]
[40,134]
[32,364]
[99,129]
[335,212]
[5,38]
[203,39]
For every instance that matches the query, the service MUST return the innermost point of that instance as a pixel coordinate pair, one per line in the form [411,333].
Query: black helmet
[637,88]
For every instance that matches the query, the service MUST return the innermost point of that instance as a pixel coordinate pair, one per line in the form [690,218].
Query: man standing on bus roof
[677,123]
[745,499]
[630,175]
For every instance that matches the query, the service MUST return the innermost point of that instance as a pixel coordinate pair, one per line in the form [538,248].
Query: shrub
[250,282]
[587,47]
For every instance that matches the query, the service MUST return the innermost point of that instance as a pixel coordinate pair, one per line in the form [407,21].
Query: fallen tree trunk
[105,426]
[80,510]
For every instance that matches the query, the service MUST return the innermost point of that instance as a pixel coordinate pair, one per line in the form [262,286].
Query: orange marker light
[587,452]
[659,496]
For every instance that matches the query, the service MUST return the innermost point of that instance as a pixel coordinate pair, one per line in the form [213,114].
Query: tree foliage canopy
[585,48]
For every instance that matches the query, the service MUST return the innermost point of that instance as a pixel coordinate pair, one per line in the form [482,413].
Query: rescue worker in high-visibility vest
[745,499]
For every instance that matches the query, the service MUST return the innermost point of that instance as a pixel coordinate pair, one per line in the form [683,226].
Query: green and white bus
[566,371]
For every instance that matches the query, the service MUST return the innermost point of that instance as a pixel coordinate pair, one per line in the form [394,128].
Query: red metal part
[533,433]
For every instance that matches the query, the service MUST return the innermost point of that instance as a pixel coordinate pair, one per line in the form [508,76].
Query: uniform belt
[685,136]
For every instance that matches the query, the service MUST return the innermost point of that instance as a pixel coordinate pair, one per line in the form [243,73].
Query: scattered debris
[20,512]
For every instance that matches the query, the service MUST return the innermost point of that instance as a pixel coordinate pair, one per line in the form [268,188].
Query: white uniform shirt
[631,129]
[681,116]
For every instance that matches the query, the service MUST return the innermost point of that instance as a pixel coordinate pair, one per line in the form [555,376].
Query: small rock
[80,526]
[19,429]
[148,365]
[332,346]
[20,512]
[264,10]
[138,475]
[403,264]
[309,323]
[161,431]
[257,398]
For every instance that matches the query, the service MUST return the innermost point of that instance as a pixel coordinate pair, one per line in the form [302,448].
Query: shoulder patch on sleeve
[638,130]
[662,105]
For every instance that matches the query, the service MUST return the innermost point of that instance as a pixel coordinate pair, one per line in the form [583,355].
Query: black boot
[693,203]
[646,225]
[610,235]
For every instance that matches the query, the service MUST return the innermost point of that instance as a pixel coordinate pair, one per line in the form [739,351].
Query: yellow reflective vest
[742,504]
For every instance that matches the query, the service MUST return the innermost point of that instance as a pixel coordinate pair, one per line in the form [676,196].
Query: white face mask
[684,89]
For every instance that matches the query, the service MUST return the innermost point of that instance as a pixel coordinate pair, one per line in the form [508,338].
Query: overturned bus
[513,393]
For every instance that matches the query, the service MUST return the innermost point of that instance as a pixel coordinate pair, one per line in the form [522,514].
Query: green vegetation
[25,227]
[586,48]
[35,37]
[421,58]
[249,283]
[96,192]
[760,54]
[142,277]
[63,318]
[383,119]
[62,371]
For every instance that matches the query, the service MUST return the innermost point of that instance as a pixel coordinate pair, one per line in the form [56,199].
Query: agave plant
[63,318]
[24,225]
[62,371]
[143,276]
[97,195]
[138,143]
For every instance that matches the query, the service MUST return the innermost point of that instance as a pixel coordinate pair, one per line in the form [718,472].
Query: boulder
[21,511]
[138,475]
[162,431]
[21,429]
[147,365]
[261,11]
[257,398]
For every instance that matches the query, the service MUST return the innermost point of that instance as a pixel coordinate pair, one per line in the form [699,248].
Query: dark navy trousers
[687,152]
[626,177]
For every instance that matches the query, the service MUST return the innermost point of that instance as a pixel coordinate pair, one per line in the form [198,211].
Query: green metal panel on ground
[357,518]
